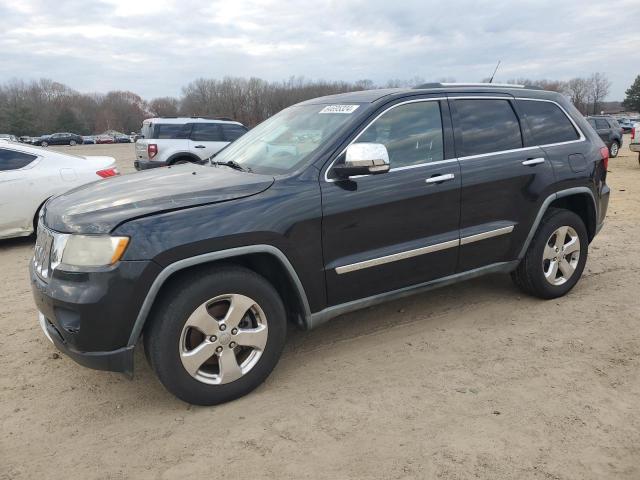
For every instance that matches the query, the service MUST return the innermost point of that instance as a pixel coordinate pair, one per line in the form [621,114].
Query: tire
[171,337]
[44,144]
[535,273]
[181,161]
[72,143]
[614,149]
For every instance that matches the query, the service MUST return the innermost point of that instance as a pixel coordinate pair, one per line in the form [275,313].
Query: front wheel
[556,256]
[44,144]
[215,336]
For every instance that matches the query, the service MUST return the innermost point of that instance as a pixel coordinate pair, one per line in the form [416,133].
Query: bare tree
[578,91]
[599,89]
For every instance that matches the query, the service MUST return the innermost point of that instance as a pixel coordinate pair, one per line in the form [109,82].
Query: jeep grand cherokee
[331,205]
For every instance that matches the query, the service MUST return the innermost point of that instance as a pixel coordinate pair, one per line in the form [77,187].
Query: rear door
[502,180]
[384,232]
[206,139]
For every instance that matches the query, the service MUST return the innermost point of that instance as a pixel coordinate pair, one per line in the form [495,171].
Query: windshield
[285,141]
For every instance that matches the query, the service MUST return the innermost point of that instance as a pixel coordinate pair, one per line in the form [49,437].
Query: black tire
[163,332]
[614,149]
[72,143]
[181,161]
[44,144]
[530,276]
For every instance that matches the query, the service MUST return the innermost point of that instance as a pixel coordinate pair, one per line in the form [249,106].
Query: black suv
[609,131]
[331,205]
[64,138]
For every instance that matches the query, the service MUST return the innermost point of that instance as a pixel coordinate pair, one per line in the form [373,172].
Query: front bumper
[89,316]
[147,164]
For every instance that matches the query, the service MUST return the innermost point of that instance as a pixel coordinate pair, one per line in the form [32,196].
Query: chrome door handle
[440,178]
[533,161]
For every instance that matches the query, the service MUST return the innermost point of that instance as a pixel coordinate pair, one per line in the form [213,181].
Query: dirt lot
[471,381]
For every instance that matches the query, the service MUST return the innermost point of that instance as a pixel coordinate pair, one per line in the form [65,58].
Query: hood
[100,206]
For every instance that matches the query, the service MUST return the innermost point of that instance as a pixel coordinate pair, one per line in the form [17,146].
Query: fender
[545,206]
[206,258]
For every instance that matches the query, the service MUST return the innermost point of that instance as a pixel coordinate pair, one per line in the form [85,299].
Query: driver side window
[412,133]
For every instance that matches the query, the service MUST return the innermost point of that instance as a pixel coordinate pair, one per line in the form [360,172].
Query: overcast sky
[154,47]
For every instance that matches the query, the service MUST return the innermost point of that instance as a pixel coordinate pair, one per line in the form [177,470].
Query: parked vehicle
[8,137]
[171,141]
[625,124]
[334,204]
[89,140]
[104,139]
[64,138]
[30,175]
[634,144]
[609,131]
[122,139]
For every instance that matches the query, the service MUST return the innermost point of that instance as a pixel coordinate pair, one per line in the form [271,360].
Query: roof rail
[498,85]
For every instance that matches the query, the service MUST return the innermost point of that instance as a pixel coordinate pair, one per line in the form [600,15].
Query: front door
[206,139]
[385,232]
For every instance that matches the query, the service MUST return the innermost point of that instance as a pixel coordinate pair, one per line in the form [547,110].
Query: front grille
[42,252]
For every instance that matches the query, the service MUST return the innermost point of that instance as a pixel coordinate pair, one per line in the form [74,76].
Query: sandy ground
[471,381]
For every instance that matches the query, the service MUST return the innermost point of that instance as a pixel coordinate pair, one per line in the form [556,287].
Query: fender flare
[545,206]
[206,258]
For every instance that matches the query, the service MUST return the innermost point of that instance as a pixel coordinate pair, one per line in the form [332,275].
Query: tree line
[45,106]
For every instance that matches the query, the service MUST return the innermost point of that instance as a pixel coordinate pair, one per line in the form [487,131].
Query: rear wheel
[72,143]
[216,335]
[44,144]
[614,149]
[556,256]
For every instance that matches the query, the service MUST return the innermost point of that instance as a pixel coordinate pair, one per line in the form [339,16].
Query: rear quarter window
[12,160]
[547,122]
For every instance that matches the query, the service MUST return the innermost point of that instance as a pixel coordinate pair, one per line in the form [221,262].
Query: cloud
[154,47]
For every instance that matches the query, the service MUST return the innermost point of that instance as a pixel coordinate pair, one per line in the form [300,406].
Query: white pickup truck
[170,141]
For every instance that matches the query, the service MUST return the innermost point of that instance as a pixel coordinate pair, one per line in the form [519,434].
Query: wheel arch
[176,156]
[579,200]
[265,260]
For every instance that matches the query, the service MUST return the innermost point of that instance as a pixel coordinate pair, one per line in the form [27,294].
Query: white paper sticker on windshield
[339,109]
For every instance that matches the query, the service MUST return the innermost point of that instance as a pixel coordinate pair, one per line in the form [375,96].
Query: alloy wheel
[614,149]
[223,339]
[561,255]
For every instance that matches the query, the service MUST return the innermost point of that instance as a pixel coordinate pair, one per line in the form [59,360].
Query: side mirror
[364,159]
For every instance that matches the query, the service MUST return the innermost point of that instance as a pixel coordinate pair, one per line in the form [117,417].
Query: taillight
[633,133]
[108,172]
[152,150]
[604,151]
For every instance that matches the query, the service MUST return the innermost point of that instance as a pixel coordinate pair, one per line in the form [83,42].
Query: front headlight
[89,251]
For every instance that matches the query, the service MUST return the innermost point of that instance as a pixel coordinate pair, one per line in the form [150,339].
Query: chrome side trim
[205,258]
[328,313]
[374,262]
[484,235]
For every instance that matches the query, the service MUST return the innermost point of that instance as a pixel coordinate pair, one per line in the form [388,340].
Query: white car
[29,176]
[169,141]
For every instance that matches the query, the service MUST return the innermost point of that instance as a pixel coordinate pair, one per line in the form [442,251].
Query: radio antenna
[494,72]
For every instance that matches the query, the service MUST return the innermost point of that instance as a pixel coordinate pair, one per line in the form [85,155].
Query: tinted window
[547,122]
[412,133]
[206,132]
[592,122]
[233,132]
[12,160]
[171,131]
[601,123]
[487,126]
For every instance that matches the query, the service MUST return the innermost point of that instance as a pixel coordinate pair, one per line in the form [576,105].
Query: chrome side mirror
[364,159]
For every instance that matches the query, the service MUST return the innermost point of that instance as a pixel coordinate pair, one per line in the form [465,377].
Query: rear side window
[206,132]
[412,134]
[486,126]
[233,132]
[171,131]
[601,124]
[12,160]
[547,122]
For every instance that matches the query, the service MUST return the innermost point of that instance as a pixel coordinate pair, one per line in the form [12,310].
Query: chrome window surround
[374,262]
[581,138]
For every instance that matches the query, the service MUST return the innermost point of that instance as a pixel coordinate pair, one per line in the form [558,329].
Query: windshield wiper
[230,163]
